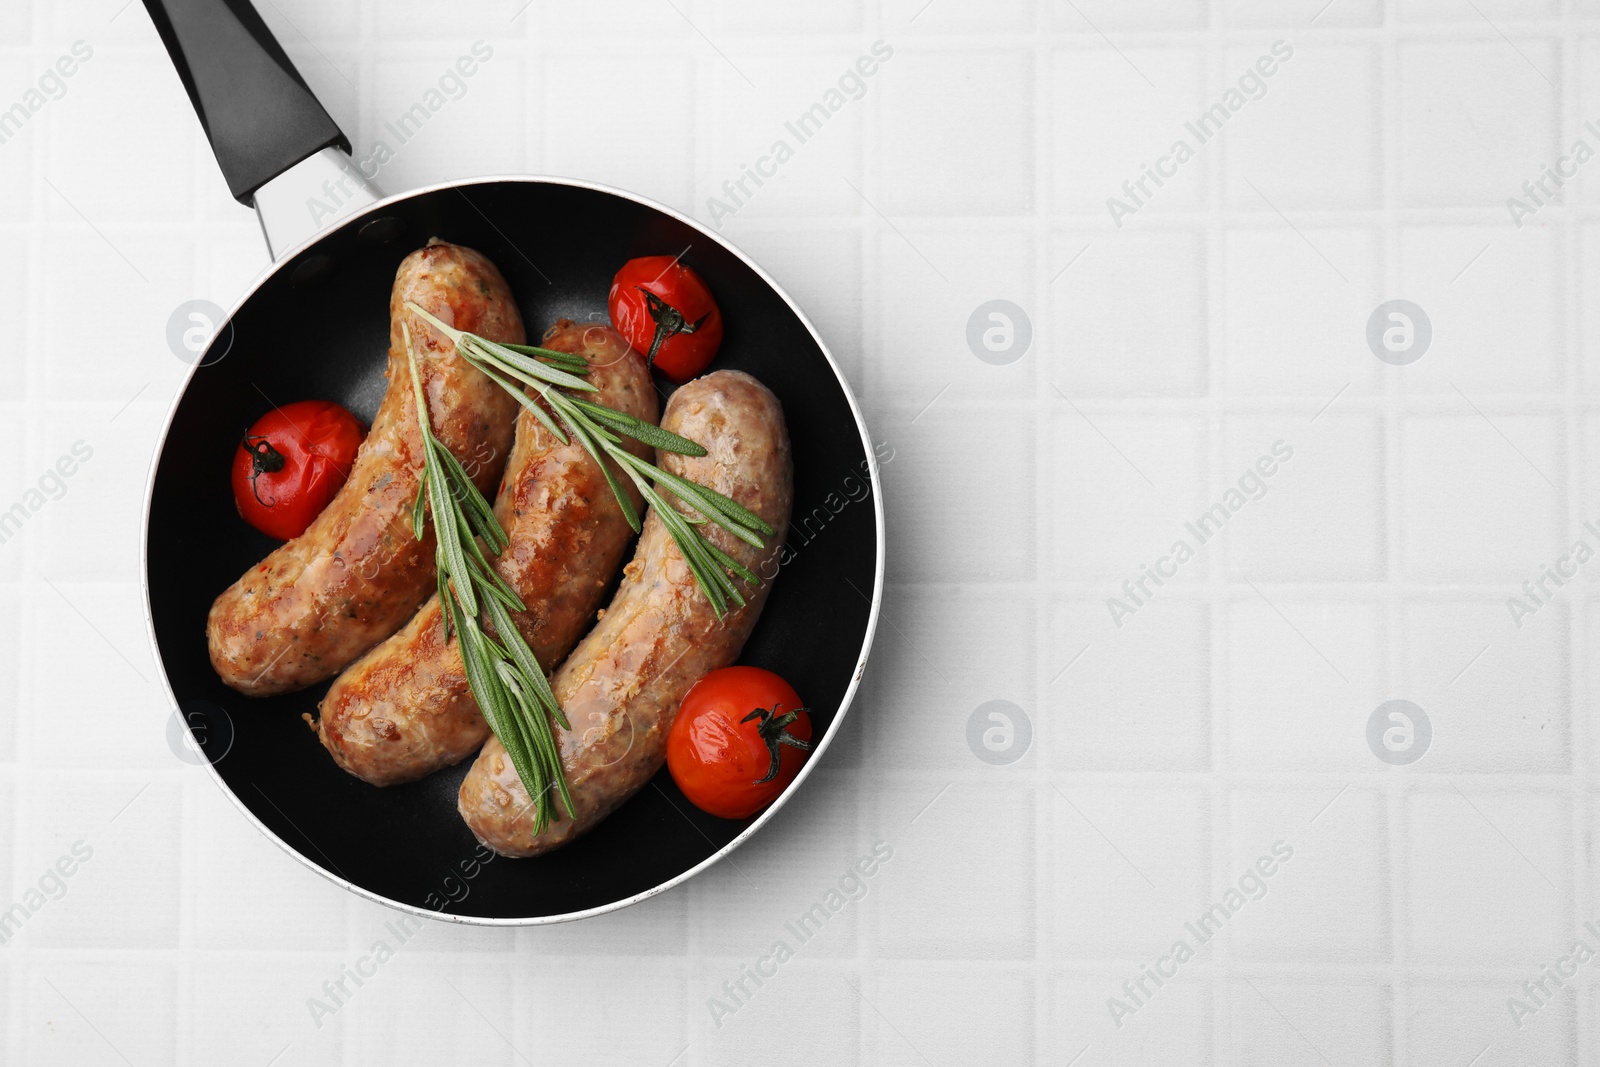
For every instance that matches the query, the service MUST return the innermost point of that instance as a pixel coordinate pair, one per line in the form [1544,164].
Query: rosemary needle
[600,430]
[505,677]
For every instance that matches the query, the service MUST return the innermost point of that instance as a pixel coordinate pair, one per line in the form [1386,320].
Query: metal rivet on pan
[381,231]
[313,271]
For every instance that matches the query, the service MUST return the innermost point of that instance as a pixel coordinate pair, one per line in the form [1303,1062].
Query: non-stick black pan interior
[318,328]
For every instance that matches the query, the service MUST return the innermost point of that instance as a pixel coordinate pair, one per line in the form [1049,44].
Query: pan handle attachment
[278,148]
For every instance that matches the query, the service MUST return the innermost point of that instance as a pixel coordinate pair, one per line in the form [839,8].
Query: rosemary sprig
[506,679]
[600,430]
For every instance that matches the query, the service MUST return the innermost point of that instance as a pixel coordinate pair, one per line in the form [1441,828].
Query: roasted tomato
[665,311]
[292,462]
[740,738]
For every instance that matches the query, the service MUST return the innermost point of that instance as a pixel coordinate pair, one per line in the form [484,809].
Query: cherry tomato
[665,311]
[291,463]
[740,738]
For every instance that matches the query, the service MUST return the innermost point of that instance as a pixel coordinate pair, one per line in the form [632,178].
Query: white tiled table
[1226,714]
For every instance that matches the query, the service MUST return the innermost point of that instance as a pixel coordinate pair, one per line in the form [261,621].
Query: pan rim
[876,600]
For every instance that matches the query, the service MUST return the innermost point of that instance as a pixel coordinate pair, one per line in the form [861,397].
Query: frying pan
[315,325]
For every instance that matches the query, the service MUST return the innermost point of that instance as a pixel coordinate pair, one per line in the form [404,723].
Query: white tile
[826,16]
[992,830]
[1585,187]
[259,1010]
[12,651]
[936,545]
[730,1031]
[920,344]
[18,188]
[106,621]
[1288,709]
[1092,15]
[580,1019]
[1588,301]
[1590,667]
[85,473]
[1472,118]
[124,891]
[13,890]
[1142,479]
[1294,14]
[931,126]
[1327,898]
[1335,164]
[1270,1019]
[1291,325]
[1474,503]
[933,671]
[1441,10]
[794,149]
[409,1010]
[77,261]
[1488,877]
[1448,1020]
[631,21]
[241,873]
[431,113]
[963,16]
[911,1019]
[404,21]
[17,23]
[1586,488]
[1128,315]
[15,272]
[1171,1026]
[1498,697]
[89,1012]
[1125,867]
[651,159]
[1125,714]
[1588,807]
[1107,124]
[1494,306]
[17,477]
[153,176]
[1320,515]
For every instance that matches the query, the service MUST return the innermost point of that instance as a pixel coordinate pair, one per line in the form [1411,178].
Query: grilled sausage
[357,574]
[405,709]
[622,686]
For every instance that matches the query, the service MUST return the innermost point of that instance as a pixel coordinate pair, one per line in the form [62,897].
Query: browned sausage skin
[405,709]
[622,686]
[358,573]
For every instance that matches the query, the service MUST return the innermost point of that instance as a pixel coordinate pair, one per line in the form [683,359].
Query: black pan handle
[257,111]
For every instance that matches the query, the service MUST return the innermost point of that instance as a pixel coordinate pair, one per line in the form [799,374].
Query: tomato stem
[773,731]
[264,459]
[669,322]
